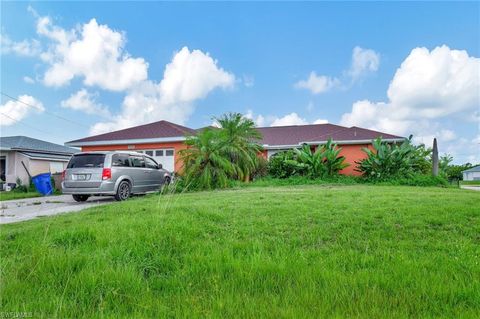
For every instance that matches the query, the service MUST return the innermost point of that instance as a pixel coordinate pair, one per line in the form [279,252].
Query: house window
[150,153]
[159,153]
[169,153]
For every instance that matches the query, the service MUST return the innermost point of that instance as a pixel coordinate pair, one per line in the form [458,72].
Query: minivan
[116,173]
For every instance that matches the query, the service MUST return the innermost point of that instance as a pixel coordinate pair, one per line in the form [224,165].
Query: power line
[47,112]
[28,125]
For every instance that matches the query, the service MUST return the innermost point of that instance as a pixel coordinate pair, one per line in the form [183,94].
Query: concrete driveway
[472,188]
[18,210]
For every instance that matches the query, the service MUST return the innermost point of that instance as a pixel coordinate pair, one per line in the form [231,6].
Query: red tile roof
[298,134]
[271,136]
[160,129]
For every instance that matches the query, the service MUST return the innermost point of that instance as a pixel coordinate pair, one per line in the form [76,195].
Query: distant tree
[454,172]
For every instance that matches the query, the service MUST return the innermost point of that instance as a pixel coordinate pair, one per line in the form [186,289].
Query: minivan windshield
[86,160]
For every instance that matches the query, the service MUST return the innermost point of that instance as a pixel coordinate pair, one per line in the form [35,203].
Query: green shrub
[19,187]
[304,180]
[391,161]
[324,162]
[284,165]
[416,180]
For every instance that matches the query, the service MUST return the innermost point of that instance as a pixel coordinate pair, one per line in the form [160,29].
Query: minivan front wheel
[80,198]
[123,191]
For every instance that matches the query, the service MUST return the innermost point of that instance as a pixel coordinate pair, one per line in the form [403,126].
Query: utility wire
[47,112]
[28,125]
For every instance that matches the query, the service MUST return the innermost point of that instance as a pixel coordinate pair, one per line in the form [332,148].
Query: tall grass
[300,251]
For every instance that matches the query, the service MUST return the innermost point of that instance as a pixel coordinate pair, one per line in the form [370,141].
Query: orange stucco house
[164,139]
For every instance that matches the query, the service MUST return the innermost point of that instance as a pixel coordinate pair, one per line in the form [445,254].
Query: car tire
[80,198]
[167,180]
[123,191]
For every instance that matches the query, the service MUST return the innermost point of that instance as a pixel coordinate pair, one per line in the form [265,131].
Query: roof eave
[342,142]
[127,141]
[20,149]
[57,159]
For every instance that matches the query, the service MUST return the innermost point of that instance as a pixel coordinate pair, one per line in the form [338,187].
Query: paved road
[18,210]
[473,188]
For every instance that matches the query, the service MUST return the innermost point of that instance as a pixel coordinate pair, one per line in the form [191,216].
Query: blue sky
[404,68]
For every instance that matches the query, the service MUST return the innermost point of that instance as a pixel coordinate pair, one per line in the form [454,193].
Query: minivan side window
[86,161]
[150,163]
[120,160]
[137,161]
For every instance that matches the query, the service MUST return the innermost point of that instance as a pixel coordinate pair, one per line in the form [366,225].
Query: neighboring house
[163,140]
[21,153]
[472,174]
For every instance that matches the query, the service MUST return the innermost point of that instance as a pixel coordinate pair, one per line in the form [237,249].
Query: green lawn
[473,183]
[17,195]
[303,251]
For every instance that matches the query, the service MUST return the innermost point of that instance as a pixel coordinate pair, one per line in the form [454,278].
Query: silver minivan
[115,173]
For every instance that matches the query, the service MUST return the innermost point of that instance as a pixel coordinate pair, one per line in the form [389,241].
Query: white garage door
[165,156]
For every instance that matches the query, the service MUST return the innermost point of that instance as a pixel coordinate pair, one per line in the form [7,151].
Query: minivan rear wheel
[80,198]
[123,191]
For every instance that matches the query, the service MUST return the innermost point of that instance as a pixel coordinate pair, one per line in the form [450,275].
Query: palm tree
[240,143]
[206,166]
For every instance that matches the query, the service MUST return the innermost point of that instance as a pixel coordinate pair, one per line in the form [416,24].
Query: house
[22,155]
[163,140]
[472,174]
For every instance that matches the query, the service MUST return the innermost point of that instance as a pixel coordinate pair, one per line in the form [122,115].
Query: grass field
[473,183]
[17,195]
[303,251]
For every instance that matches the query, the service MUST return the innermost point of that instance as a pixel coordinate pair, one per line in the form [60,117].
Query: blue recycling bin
[43,184]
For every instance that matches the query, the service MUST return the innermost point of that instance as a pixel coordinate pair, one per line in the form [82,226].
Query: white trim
[131,141]
[47,159]
[346,142]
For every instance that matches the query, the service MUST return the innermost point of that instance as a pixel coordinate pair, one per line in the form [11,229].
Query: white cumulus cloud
[289,119]
[85,101]
[13,111]
[259,119]
[317,83]
[428,86]
[320,121]
[23,48]
[28,80]
[363,61]
[93,52]
[286,120]
[190,76]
